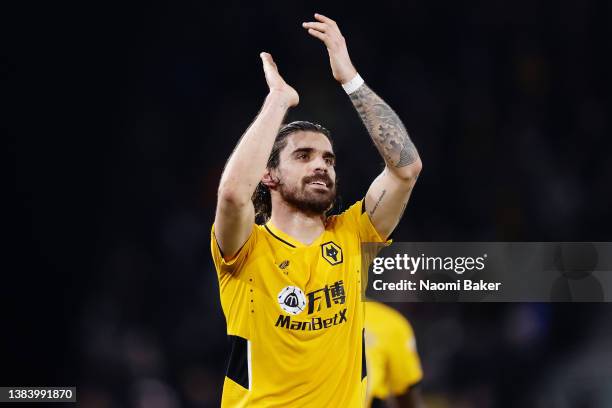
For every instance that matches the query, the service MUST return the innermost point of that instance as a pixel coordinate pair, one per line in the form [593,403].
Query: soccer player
[290,288]
[394,367]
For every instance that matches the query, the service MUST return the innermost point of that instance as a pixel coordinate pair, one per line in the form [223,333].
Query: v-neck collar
[288,239]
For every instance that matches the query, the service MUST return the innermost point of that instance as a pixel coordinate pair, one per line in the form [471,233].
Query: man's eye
[330,161]
[302,156]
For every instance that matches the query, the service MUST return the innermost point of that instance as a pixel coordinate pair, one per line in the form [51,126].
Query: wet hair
[262,200]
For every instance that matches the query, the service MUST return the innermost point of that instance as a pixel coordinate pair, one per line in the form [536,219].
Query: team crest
[332,253]
[292,300]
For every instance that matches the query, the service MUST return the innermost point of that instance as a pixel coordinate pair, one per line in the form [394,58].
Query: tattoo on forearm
[378,202]
[385,128]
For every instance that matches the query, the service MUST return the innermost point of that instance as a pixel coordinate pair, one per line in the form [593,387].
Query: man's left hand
[326,30]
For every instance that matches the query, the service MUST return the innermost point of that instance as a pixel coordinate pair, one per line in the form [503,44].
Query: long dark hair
[262,200]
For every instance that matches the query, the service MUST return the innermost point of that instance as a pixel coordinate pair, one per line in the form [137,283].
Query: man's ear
[269,180]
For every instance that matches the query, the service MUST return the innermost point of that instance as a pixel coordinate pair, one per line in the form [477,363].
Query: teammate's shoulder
[386,313]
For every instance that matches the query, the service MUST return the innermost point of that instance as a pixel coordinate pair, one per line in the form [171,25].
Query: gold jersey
[295,317]
[392,358]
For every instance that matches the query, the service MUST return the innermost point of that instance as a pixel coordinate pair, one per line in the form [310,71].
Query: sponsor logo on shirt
[292,300]
[315,323]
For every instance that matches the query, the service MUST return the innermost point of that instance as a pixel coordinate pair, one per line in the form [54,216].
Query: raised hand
[326,30]
[276,83]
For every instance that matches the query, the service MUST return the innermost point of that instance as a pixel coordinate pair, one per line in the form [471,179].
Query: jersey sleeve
[403,363]
[234,265]
[358,217]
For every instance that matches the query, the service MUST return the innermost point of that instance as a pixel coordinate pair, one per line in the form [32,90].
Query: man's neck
[301,226]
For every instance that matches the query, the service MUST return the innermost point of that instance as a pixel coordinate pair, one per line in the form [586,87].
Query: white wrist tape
[352,85]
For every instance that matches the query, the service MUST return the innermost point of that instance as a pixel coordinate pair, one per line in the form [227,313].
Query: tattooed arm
[389,193]
[387,131]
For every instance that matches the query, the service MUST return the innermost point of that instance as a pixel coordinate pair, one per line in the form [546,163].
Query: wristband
[352,85]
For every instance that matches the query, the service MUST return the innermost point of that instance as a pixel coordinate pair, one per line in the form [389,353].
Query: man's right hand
[276,83]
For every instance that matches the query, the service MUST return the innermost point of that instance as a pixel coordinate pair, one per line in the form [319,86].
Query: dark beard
[311,203]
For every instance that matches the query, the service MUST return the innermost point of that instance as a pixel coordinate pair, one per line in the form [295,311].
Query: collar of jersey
[288,239]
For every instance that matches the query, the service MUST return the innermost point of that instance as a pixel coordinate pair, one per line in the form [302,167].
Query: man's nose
[320,165]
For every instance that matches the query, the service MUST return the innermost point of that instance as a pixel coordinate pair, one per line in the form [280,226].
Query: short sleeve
[403,365]
[357,216]
[234,265]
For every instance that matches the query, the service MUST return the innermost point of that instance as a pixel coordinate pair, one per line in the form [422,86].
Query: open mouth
[318,183]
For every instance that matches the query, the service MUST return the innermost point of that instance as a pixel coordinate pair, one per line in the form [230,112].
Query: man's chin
[321,206]
[315,205]
[311,200]
[320,197]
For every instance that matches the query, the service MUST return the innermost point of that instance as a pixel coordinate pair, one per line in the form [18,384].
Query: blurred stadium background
[132,109]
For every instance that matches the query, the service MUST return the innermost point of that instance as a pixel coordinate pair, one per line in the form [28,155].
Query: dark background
[124,115]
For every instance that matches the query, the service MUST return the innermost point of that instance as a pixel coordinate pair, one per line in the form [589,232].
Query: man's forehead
[308,139]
